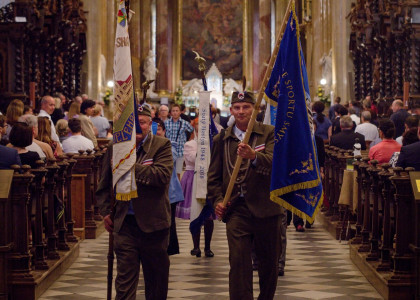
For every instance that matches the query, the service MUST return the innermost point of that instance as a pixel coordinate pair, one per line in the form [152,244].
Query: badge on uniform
[260,147]
[148,162]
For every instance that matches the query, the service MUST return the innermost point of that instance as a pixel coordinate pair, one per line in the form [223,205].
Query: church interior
[362,55]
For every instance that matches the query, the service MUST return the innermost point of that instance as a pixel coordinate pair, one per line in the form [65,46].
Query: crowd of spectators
[54,129]
[385,130]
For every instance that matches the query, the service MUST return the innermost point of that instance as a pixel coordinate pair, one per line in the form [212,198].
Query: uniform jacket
[153,171]
[256,178]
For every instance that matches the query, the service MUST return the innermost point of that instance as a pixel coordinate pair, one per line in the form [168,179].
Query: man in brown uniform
[141,226]
[251,217]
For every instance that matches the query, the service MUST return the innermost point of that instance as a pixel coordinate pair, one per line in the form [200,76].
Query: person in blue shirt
[8,156]
[323,124]
[176,132]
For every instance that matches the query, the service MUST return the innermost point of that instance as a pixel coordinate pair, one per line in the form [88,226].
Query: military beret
[243,97]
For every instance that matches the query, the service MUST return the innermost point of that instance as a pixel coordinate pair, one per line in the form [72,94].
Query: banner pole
[258,103]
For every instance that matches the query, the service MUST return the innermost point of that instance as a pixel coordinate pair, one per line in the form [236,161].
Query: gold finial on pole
[201,62]
[145,86]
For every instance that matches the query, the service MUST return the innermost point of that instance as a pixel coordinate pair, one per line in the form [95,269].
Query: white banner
[124,147]
[202,160]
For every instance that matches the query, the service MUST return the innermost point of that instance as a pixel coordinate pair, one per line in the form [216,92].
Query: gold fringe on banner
[296,211]
[126,196]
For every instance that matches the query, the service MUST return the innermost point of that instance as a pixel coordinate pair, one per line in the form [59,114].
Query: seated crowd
[44,136]
[389,133]
[69,127]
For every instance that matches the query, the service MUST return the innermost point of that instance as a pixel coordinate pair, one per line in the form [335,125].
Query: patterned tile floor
[317,267]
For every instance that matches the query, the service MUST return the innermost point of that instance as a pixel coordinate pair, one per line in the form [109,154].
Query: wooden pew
[415,247]
[387,238]
[39,258]
[387,229]
[51,234]
[343,229]
[359,216]
[403,257]
[84,166]
[366,227]
[68,199]
[78,204]
[383,257]
[20,275]
[374,193]
[60,193]
[102,142]
[31,266]
[88,166]
[97,162]
[6,177]
[325,183]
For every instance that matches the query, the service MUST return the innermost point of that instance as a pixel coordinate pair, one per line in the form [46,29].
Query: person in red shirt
[383,151]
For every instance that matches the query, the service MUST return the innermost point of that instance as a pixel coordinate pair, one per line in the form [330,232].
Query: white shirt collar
[43,113]
[239,133]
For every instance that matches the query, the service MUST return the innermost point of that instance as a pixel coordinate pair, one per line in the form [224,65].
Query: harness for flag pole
[257,106]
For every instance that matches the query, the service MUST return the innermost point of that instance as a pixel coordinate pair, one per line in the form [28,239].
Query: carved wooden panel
[385,46]
[38,50]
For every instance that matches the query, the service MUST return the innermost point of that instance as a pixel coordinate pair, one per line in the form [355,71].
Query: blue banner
[295,180]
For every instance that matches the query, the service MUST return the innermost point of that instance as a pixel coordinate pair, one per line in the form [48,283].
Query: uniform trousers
[133,246]
[242,230]
[283,240]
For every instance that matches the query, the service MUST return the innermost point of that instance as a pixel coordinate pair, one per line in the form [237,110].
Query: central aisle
[317,267]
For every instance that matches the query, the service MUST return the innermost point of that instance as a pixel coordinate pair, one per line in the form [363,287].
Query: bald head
[397,105]
[78,99]
[48,104]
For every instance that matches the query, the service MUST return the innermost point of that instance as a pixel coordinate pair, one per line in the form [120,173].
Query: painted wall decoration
[214,29]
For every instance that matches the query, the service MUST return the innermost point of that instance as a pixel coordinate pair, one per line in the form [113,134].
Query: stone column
[164,45]
[108,27]
[320,43]
[109,43]
[281,6]
[341,65]
[262,40]
[135,43]
[93,57]
[145,32]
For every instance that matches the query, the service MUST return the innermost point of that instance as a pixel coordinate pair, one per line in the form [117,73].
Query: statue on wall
[103,70]
[192,88]
[231,86]
[326,64]
[149,72]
